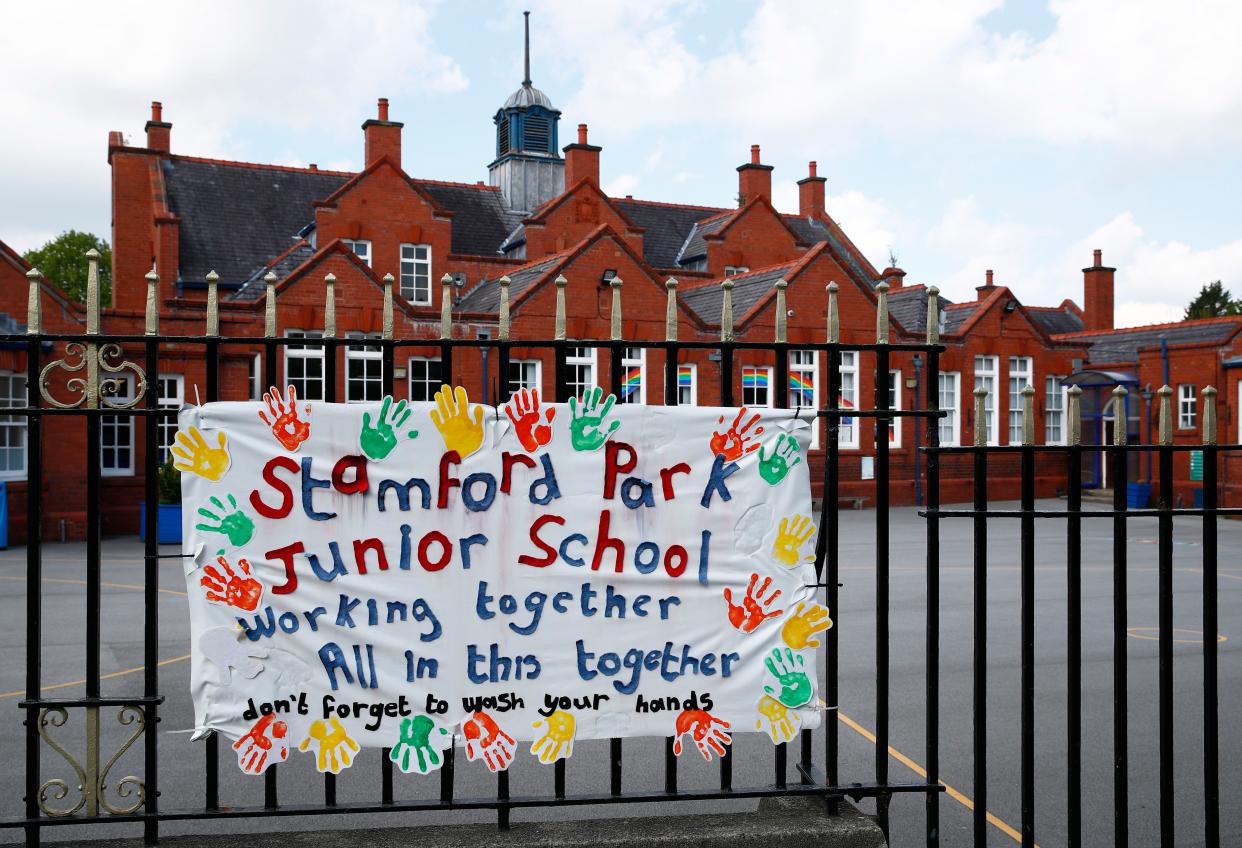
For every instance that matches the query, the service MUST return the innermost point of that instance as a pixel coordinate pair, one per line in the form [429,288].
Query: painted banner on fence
[410,576]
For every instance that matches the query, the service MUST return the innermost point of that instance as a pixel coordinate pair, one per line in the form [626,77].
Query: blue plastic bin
[168,523]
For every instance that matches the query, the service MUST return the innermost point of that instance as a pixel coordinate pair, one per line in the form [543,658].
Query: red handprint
[753,610]
[288,429]
[486,741]
[708,732]
[533,430]
[734,443]
[253,748]
[230,588]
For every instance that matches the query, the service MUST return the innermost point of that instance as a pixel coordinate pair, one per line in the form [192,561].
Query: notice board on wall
[509,579]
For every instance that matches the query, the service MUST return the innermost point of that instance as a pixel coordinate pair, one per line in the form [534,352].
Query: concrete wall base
[787,822]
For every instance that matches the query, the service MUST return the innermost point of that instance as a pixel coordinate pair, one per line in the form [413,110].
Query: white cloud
[984,241]
[221,70]
[1146,78]
[621,185]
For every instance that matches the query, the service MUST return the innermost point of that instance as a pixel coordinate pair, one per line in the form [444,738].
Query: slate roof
[255,288]
[480,220]
[695,247]
[707,301]
[807,230]
[908,307]
[1123,345]
[957,316]
[1056,319]
[667,225]
[485,297]
[236,218]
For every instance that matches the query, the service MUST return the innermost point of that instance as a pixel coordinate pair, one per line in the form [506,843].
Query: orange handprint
[533,430]
[230,588]
[708,732]
[486,741]
[253,748]
[734,442]
[288,429]
[753,610]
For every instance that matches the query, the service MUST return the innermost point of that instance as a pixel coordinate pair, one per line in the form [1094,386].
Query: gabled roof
[707,300]
[480,218]
[667,226]
[908,307]
[695,247]
[1056,319]
[236,217]
[485,297]
[1123,345]
[955,315]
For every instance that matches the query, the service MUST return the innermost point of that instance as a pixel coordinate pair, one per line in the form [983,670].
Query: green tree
[63,261]
[1213,302]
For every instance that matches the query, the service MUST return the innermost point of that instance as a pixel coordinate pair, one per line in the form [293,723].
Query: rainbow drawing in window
[685,376]
[802,388]
[755,379]
[632,384]
[845,403]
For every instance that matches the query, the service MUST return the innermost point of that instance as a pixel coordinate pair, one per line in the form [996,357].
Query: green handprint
[230,521]
[587,420]
[414,751]
[378,441]
[776,465]
[790,673]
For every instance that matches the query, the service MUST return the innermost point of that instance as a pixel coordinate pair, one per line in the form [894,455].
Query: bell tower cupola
[528,168]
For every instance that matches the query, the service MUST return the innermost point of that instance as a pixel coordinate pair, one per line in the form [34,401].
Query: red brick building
[543,215]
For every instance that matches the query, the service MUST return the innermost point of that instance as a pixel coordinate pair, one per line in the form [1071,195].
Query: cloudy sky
[962,136]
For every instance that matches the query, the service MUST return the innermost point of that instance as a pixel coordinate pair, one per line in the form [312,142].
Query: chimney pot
[1097,301]
[159,132]
[383,108]
[988,275]
[157,111]
[582,133]
[581,160]
[754,154]
[811,169]
[382,137]
[313,166]
[1099,257]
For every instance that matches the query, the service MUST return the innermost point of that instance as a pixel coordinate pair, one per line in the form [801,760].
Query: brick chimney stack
[159,131]
[988,287]
[754,179]
[894,276]
[383,137]
[581,160]
[1097,294]
[811,194]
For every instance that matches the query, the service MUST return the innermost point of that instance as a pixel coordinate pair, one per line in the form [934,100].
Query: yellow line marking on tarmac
[109,676]
[956,794]
[1143,633]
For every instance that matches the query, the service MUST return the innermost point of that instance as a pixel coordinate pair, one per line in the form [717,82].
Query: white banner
[413,575]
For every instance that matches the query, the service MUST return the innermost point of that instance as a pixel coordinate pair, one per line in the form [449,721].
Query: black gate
[92,360]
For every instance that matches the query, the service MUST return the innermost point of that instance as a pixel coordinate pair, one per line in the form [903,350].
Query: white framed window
[894,402]
[364,370]
[304,365]
[1019,379]
[688,385]
[416,273]
[424,377]
[525,374]
[1054,411]
[1187,413]
[847,435]
[634,375]
[12,427]
[116,432]
[580,365]
[756,385]
[985,378]
[734,270]
[255,376]
[950,402]
[171,396]
[804,386]
[361,249]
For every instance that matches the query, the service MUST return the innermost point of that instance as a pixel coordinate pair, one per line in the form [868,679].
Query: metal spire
[526,79]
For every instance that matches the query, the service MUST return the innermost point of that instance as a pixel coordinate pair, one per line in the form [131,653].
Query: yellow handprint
[558,742]
[781,726]
[461,431]
[791,535]
[801,626]
[336,748]
[197,457]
